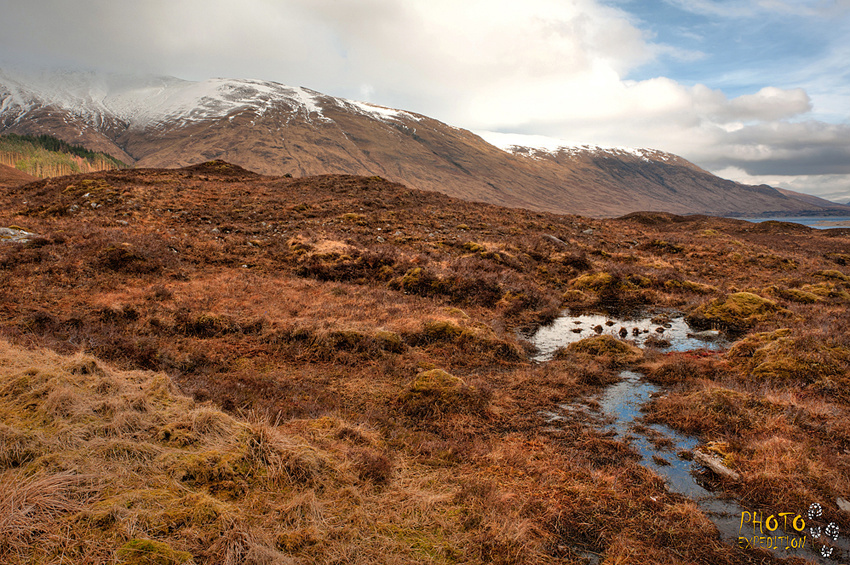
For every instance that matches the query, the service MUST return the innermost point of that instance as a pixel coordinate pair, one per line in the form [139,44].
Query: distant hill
[45,156]
[275,129]
[13,177]
[813,200]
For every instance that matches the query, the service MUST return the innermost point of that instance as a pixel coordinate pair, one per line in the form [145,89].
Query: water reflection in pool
[666,331]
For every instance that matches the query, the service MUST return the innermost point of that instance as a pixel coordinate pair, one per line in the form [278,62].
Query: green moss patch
[782,356]
[833,274]
[151,552]
[689,286]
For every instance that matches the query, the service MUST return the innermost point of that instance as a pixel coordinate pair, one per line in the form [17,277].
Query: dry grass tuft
[30,506]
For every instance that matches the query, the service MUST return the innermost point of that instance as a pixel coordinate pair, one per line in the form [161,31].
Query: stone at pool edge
[707,335]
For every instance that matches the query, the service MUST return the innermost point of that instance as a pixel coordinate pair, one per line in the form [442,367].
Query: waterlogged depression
[617,411]
[666,331]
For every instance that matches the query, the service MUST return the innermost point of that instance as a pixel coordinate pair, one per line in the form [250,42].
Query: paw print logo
[815,512]
[831,531]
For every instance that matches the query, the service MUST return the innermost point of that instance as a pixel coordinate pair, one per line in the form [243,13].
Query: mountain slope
[274,129]
[13,177]
[813,200]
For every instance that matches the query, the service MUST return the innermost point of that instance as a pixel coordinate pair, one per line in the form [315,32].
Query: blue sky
[742,46]
[753,90]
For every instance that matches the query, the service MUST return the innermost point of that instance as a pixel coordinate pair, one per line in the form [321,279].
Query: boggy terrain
[249,369]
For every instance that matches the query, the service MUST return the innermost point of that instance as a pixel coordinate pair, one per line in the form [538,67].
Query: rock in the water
[707,335]
[715,464]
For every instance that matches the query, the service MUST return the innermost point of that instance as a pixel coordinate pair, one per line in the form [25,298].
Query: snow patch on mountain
[380,112]
[538,147]
[142,102]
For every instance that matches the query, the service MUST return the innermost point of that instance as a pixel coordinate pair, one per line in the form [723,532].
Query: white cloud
[835,188]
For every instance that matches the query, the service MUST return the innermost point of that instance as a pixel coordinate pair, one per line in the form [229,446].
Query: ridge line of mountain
[275,129]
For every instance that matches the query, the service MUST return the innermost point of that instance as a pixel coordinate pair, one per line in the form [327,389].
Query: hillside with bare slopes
[275,129]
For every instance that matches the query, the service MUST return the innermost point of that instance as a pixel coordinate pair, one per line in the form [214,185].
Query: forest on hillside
[45,156]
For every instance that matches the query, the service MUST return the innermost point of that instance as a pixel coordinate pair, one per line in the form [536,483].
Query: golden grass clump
[166,466]
[29,505]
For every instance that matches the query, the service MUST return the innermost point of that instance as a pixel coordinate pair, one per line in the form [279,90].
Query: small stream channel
[618,408]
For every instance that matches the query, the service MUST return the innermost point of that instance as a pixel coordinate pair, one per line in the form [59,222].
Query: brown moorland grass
[377,403]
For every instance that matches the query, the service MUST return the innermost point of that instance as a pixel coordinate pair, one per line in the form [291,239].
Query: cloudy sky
[753,90]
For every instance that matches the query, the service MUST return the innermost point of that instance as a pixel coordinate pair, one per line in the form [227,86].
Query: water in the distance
[817,222]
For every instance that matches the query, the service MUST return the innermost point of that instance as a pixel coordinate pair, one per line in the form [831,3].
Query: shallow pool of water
[618,410]
[666,331]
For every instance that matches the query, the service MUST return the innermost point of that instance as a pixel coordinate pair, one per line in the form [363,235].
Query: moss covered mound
[607,348]
[808,359]
[736,312]
[436,392]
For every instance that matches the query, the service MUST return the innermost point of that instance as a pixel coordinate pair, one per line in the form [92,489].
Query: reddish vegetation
[10,177]
[393,309]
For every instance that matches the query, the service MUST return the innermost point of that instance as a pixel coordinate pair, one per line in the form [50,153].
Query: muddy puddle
[617,412]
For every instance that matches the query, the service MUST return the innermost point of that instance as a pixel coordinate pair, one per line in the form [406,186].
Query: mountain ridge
[275,129]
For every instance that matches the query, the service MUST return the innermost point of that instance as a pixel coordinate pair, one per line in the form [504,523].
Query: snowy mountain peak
[142,102]
[145,102]
[538,147]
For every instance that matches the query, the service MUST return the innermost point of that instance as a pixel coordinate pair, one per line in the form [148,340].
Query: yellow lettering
[802,522]
[775,523]
[743,521]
